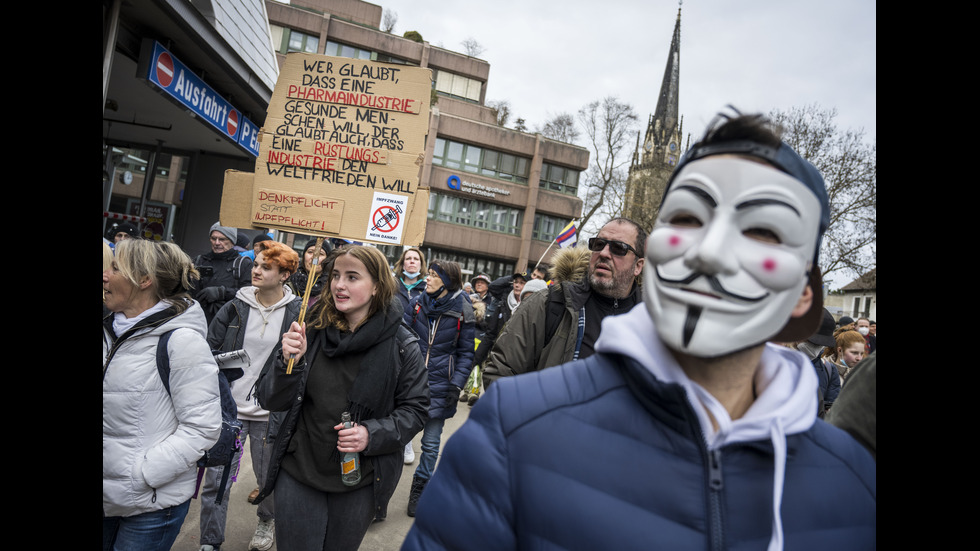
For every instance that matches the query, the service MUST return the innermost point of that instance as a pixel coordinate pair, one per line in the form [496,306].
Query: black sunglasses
[618,248]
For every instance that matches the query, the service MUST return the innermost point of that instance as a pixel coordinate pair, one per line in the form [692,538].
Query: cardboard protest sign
[340,153]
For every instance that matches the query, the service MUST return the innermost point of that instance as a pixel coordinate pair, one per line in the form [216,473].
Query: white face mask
[729,255]
[864,330]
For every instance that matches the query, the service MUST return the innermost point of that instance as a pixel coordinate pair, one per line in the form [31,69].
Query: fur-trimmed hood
[570,264]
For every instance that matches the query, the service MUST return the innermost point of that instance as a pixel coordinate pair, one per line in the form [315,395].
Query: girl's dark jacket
[388,432]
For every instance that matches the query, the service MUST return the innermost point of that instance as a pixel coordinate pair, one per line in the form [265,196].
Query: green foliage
[413,35]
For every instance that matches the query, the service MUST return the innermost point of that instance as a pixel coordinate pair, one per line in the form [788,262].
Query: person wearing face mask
[443,319]
[849,349]
[700,434]
[410,275]
[410,284]
[863,326]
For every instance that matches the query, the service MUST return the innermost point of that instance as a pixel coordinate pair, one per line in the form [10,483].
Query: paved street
[382,536]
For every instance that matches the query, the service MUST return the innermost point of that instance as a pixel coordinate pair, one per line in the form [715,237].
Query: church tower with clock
[656,156]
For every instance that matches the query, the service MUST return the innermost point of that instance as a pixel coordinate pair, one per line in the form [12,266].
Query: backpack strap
[163,359]
[554,310]
[239,260]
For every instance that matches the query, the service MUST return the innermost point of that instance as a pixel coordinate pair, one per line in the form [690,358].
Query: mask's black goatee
[693,314]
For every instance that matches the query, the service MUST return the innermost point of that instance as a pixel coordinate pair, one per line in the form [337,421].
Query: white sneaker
[265,534]
[409,454]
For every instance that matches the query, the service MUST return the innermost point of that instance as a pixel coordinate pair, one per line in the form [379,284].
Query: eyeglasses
[618,248]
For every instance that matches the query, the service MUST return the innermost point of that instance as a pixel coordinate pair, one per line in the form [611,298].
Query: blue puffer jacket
[446,340]
[601,454]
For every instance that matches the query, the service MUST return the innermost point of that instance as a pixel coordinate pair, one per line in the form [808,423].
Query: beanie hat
[230,233]
[533,286]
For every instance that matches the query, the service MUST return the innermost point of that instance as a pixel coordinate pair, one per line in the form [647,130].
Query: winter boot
[418,485]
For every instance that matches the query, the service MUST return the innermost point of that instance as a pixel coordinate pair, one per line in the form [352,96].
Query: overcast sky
[548,57]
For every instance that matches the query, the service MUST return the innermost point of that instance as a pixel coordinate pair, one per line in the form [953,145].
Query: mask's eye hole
[762,235]
[685,221]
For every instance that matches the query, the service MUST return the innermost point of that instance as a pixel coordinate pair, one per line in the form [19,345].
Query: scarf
[369,396]
[433,307]
[298,282]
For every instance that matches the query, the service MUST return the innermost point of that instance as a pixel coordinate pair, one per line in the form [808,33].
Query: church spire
[667,105]
[661,147]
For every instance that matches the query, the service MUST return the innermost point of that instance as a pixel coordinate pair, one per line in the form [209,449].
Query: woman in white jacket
[152,439]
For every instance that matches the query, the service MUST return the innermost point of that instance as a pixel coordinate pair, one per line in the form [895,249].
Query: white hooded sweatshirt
[263,331]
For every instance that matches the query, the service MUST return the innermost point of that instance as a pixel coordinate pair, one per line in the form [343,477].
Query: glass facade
[475,213]
[288,40]
[480,160]
[560,179]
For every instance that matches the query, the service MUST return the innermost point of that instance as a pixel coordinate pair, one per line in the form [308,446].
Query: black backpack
[223,452]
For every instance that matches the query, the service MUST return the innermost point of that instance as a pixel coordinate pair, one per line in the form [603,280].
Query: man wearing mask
[701,434]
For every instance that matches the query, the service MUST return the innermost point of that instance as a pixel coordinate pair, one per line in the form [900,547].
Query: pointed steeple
[655,157]
[665,118]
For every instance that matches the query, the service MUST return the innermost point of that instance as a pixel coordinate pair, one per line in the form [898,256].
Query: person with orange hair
[253,321]
[849,351]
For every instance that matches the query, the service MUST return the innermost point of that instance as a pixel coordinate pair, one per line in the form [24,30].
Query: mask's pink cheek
[666,244]
[769,265]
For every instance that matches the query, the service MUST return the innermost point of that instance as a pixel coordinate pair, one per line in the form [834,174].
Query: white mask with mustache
[729,255]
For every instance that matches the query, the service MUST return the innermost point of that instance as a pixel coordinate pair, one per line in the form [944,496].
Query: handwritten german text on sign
[343,132]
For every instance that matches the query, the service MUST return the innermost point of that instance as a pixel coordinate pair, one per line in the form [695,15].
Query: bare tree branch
[561,127]
[608,124]
[389,20]
[849,167]
[501,109]
[472,48]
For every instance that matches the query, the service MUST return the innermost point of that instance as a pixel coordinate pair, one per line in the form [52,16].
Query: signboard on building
[163,69]
[340,153]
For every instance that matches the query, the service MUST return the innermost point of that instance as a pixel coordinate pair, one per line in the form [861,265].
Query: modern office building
[185,88]
[186,85]
[498,197]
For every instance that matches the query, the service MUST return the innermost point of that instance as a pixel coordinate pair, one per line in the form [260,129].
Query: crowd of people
[659,388]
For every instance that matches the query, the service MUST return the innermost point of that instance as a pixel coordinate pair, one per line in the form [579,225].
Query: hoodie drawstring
[778,438]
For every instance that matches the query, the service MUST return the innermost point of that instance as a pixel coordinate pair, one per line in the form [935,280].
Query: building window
[288,40]
[546,227]
[343,50]
[857,307]
[474,213]
[479,160]
[560,179]
[457,86]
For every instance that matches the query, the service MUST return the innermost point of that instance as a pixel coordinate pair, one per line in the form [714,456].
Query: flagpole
[553,241]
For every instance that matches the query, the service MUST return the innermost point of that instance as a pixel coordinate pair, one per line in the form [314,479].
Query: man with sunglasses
[686,429]
[544,332]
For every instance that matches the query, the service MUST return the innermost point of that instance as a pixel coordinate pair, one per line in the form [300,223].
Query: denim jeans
[431,435]
[214,517]
[153,531]
[311,519]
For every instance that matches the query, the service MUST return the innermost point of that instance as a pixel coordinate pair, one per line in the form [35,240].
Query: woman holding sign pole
[356,358]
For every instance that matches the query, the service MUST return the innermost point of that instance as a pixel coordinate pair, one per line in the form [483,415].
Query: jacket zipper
[715,487]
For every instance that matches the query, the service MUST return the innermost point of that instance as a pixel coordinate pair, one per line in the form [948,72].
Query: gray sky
[550,57]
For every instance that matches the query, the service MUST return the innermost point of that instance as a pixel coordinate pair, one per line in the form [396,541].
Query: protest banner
[340,153]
